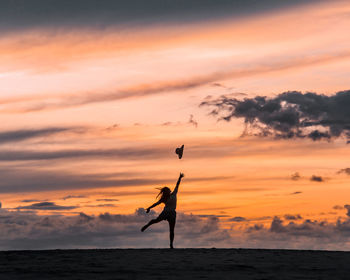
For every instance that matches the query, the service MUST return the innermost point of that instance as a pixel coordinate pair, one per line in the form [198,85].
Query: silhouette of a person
[169,199]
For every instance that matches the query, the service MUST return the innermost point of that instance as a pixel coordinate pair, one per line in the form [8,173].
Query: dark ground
[174,264]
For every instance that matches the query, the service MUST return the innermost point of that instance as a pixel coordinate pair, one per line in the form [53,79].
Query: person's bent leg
[151,222]
[172,232]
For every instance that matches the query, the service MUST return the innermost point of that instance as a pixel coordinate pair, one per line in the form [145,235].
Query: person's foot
[171,246]
[144,228]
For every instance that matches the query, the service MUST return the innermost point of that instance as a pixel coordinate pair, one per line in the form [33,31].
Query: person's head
[164,194]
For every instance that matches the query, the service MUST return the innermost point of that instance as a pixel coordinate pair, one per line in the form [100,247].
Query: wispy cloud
[101,205]
[46,206]
[73,196]
[25,134]
[65,101]
[41,180]
[32,200]
[344,170]
[298,192]
[37,181]
[126,153]
[192,121]
[316,178]
[296,176]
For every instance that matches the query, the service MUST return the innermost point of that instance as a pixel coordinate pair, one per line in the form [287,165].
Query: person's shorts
[169,215]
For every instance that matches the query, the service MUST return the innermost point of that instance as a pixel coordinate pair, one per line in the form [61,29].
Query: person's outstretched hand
[182,175]
[147,210]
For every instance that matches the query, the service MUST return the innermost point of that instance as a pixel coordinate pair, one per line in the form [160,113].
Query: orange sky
[137,87]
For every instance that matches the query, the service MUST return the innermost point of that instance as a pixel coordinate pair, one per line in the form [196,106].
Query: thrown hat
[180,151]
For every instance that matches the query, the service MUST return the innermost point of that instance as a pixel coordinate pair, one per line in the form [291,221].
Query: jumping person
[169,199]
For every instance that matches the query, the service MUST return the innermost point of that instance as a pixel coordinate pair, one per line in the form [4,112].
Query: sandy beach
[174,264]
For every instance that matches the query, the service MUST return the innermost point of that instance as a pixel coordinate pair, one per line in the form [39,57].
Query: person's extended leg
[151,222]
[171,230]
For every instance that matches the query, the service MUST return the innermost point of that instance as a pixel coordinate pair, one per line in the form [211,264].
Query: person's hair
[164,194]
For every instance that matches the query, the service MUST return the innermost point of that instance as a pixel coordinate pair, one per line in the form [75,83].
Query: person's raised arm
[178,183]
[153,205]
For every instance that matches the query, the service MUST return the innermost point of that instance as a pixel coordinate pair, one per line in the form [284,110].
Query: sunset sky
[96,95]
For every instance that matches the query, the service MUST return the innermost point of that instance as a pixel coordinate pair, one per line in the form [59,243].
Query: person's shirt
[171,202]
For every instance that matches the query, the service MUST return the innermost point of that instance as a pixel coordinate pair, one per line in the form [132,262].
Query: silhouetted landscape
[174,264]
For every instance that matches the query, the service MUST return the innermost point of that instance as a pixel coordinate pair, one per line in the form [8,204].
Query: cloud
[306,234]
[293,217]
[276,225]
[238,219]
[113,127]
[102,205]
[298,192]
[218,85]
[254,228]
[192,121]
[344,170]
[31,200]
[37,181]
[316,178]
[167,123]
[308,228]
[107,199]
[347,207]
[295,176]
[28,230]
[39,103]
[46,206]
[309,234]
[31,231]
[127,153]
[25,134]
[73,196]
[213,216]
[338,207]
[93,14]
[289,115]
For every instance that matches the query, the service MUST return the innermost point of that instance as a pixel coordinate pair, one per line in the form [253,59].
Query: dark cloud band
[126,153]
[42,180]
[46,206]
[23,14]
[26,134]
